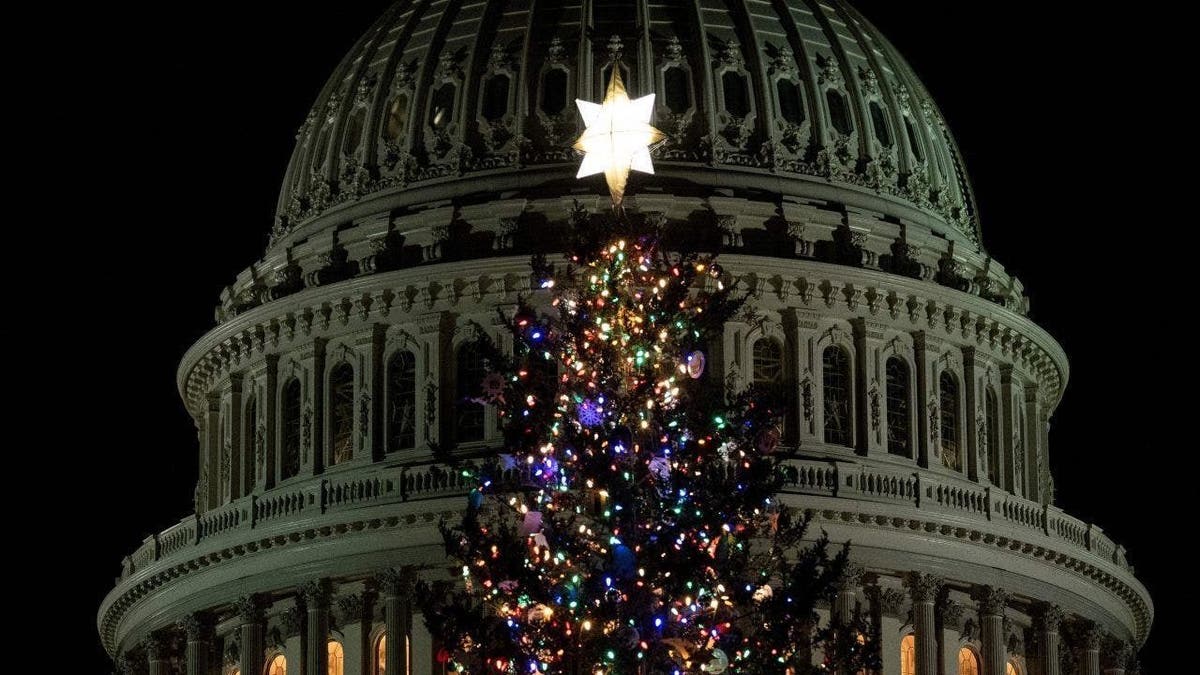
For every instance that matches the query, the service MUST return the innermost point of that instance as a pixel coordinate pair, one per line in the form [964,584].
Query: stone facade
[337,358]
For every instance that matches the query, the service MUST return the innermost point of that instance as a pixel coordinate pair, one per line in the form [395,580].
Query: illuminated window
[880,125]
[768,362]
[948,423]
[908,655]
[899,420]
[441,112]
[991,435]
[397,118]
[337,658]
[290,414]
[278,666]
[1012,669]
[381,655]
[402,401]
[835,370]
[968,663]
[235,671]
[495,97]
[468,422]
[737,94]
[341,413]
[839,115]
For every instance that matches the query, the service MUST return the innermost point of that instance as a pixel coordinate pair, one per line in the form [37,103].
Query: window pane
[353,133]
[381,655]
[495,98]
[402,401]
[441,112]
[468,422]
[290,461]
[397,118]
[675,81]
[839,115]
[554,91]
[879,124]
[737,95]
[908,655]
[899,419]
[836,380]
[790,102]
[341,413]
[948,395]
[967,663]
[278,666]
[768,362]
[337,659]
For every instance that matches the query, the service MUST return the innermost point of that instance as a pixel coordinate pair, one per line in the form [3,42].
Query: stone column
[847,594]
[1045,626]
[992,602]
[250,652]
[158,653]
[924,589]
[395,586]
[1093,638]
[316,601]
[1116,656]
[197,629]
[211,477]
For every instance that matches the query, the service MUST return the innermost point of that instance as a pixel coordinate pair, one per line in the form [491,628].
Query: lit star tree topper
[618,136]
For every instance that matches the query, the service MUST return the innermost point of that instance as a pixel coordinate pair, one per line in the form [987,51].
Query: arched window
[441,109]
[791,106]
[880,125]
[968,663]
[675,83]
[353,133]
[948,423]
[736,92]
[899,415]
[1011,668]
[470,371]
[554,91]
[991,433]
[337,658]
[278,666]
[341,413]
[397,118]
[908,655]
[318,156]
[913,141]
[250,445]
[380,655]
[835,376]
[839,115]
[495,97]
[289,463]
[768,362]
[402,401]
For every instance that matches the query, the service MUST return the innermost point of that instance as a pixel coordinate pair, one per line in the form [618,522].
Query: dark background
[191,113]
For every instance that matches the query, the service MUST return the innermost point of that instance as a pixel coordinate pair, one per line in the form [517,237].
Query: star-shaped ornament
[618,136]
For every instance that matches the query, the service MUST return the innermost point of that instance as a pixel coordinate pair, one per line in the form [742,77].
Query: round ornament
[695,364]
[492,386]
[767,440]
[718,664]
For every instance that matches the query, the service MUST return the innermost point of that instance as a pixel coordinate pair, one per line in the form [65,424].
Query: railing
[858,480]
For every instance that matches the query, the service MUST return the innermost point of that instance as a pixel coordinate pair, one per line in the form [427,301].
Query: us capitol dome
[437,159]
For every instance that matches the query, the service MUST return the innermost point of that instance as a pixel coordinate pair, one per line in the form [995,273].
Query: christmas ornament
[493,387]
[532,522]
[718,664]
[762,593]
[660,468]
[695,365]
[539,613]
[590,413]
[618,136]
[474,499]
[767,440]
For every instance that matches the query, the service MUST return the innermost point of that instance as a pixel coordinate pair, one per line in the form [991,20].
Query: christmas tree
[632,524]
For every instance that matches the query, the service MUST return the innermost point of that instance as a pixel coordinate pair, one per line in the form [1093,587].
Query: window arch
[289,462]
[380,656]
[968,662]
[839,114]
[768,362]
[397,118]
[836,379]
[948,420]
[736,93]
[469,371]
[899,414]
[402,401]
[495,97]
[278,665]
[908,655]
[337,658]
[879,124]
[341,413]
[991,433]
[250,444]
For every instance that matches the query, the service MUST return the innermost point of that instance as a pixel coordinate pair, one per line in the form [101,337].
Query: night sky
[196,107]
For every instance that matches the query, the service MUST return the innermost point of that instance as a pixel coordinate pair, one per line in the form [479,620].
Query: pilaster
[992,603]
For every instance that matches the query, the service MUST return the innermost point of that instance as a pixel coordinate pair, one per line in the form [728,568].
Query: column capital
[350,607]
[396,581]
[316,594]
[924,587]
[196,627]
[1092,636]
[1048,618]
[951,612]
[1117,654]
[849,579]
[992,600]
[291,622]
[890,600]
[158,646]
[250,608]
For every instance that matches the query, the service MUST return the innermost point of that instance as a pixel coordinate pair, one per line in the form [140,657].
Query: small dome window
[880,125]
[397,118]
[495,97]
[353,135]
[675,84]
[736,93]
[913,141]
[554,91]
[839,114]
[791,106]
[441,112]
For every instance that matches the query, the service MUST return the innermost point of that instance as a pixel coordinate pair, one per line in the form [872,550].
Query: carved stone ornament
[992,601]
[890,600]
[249,608]
[951,612]
[924,587]
[292,621]
[1049,618]
[196,627]
[396,581]
[850,577]
[316,593]
[350,607]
